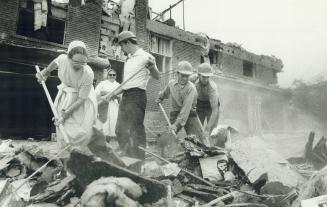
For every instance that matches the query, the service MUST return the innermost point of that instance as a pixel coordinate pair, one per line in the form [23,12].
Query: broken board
[87,169]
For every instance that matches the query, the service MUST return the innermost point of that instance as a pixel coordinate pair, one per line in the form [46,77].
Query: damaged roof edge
[228,48]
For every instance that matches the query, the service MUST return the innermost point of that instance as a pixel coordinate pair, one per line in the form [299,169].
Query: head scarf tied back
[76,43]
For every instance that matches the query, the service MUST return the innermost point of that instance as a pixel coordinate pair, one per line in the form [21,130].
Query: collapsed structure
[246,81]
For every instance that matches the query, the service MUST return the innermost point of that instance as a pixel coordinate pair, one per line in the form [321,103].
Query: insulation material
[320,201]
[40,14]
[257,158]
[111,191]
[127,10]
[61,1]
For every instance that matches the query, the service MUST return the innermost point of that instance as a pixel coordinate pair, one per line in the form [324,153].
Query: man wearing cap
[138,67]
[183,102]
[208,100]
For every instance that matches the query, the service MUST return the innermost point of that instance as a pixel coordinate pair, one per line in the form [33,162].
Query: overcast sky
[293,30]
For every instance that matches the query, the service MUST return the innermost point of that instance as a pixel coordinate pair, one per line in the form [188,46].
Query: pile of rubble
[247,174]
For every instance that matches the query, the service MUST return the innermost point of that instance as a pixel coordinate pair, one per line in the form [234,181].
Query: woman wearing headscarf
[108,85]
[76,99]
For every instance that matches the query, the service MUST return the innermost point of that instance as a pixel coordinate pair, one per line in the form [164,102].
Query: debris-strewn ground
[250,173]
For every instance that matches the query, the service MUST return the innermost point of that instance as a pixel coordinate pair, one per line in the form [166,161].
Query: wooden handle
[121,85]
[167,119]
[54,111]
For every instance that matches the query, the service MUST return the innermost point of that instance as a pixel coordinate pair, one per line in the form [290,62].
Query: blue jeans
[130,128]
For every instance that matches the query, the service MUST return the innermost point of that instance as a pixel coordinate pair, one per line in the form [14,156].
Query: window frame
[164,57]
[244,67]
[34,39]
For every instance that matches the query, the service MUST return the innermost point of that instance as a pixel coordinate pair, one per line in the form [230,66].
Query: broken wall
[25,111]
[8,17]
[83,23]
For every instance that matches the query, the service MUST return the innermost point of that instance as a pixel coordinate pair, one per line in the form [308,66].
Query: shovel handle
[121,85]
[167,119]
[54,111]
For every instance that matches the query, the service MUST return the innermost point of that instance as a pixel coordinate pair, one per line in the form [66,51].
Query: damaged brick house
[243,78]
[34,33]
[246,81]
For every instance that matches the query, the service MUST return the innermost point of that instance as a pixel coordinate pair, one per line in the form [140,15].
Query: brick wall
[230,64]
[141,8]
[265,75]
[186,51]
[8,16]
[83,23]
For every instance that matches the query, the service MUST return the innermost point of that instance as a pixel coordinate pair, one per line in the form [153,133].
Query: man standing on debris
[183,102]
[139,65]
[208,100]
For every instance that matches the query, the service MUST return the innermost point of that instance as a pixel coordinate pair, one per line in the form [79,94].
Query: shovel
[54,111]
[167,119]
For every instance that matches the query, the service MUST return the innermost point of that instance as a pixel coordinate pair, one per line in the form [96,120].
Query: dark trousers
[203,109]
[192,125]
[129,128]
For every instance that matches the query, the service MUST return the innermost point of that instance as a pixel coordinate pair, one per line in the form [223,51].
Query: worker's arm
[152,67]
[164,94]
[65,113]
[83,94]
[45,73]
[214,116]
[114,95]
[186,108]
[214,103]
[99,91]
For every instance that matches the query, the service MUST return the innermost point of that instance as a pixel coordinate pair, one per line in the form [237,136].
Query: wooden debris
[55,190]
[222,199]
[183,170]
[87,170]
[99,147]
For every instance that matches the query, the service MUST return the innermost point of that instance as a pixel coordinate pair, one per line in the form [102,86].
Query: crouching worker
[183,102]
[76,99]
[208,102]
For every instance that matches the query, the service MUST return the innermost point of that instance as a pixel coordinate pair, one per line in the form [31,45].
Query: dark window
[213,57]
[53,27]
[248,69]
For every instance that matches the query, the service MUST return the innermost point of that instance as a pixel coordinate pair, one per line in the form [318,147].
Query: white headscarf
[76,43]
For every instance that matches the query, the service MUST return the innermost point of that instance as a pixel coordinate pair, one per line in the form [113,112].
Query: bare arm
[165,93]
[214,116]
[45,73]
[154,72]
[152,67]
[73,107]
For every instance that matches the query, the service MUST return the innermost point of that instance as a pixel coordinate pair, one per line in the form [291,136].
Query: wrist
[64,113]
